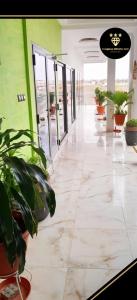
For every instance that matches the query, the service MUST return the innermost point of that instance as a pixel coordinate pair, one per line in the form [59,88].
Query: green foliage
[131,123]
[108,94]
[35,159]
[21,184]
[101,97]
[97,91]
[120,100]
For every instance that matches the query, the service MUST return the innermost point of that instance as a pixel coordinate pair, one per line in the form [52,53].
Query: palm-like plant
[20,185]
[120,99]
[97,90]
[101,97]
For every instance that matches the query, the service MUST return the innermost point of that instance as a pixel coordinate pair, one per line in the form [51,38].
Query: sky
[94,71]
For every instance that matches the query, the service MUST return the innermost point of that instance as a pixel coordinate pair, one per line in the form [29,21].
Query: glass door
[42,103]
[69,97]
[73,95]
[61,103]
[53,116]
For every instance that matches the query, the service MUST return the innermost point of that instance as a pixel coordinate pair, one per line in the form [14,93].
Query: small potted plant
[21,185]
[97,90]
[131,132]
[120,100]
[101,100]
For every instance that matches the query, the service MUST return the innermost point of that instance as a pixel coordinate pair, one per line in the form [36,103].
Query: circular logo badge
[115,43]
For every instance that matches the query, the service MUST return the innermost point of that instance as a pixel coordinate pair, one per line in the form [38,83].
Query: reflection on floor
[93,234]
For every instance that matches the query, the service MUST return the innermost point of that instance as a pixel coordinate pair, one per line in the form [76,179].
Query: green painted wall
[12,75]
[16,70]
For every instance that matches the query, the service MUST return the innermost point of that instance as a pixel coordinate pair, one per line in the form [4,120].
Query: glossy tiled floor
[93,234]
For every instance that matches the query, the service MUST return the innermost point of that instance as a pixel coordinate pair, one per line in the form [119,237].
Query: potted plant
[131,132]
[97,90]
[101,100]
[120,100]
[21,184]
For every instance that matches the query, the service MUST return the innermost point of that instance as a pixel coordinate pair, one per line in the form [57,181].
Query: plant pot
[119,119]
[5,267]
[131,136]
[101,109]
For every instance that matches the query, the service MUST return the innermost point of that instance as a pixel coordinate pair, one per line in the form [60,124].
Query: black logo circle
[115,43]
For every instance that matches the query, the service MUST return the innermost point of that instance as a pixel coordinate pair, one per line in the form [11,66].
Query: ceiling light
[92,56]
[88,40]
[90,51]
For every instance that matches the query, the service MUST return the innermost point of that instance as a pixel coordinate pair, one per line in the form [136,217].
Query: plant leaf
[6,224]
[20,246]
[23,179]
[26,132]
[5,213]
[4,135]
[130,102]
[39,175]
[26,212]
[41,153]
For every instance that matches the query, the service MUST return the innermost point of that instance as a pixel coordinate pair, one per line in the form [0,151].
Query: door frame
[42,52]
[64,96]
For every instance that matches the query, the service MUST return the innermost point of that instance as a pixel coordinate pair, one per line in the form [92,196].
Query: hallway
[93,234]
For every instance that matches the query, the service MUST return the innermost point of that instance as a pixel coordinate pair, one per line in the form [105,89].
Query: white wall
[68,46]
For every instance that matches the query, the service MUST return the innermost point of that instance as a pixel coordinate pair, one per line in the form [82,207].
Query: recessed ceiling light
[88,40]
[92,56]
[90,51]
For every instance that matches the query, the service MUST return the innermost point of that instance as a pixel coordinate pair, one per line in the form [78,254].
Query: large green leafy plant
[21,183]
[120,99]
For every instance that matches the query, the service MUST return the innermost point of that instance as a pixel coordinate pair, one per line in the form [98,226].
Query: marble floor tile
[98,248]
[101,215]
[50,248]
[65,213]
[47,283]
[98,198]
[82,283]
[133,242]
[130,215]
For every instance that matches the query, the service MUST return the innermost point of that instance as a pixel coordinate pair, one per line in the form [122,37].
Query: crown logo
[115,38]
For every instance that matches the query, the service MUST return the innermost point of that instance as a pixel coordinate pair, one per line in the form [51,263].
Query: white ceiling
[77,23]
[92,28]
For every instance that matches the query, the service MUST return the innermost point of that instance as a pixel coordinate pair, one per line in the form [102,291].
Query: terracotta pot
[101,109]
[119,119]
[5,267]
[131,136]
